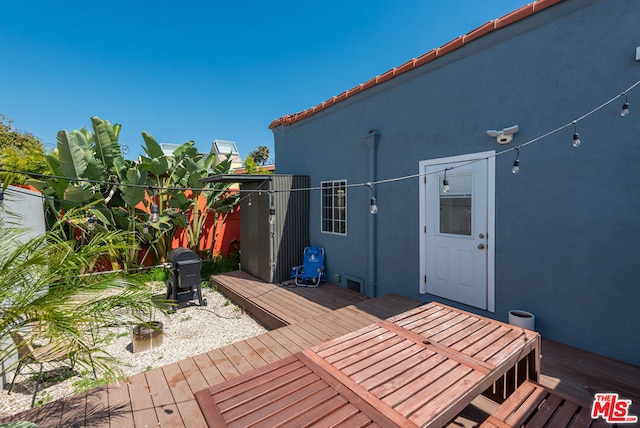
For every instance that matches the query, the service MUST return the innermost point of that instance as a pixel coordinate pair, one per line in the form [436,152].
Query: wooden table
[420,368]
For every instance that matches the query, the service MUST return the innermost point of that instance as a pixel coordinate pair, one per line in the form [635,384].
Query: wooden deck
[166,396]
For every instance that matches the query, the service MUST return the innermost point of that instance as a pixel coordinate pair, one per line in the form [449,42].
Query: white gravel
[189,331]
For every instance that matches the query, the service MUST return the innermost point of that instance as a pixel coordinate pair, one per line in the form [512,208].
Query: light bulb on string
[272,210]
[155,214]
[516,163]
[272,215]
[625,106]
[445,182]
[373,209]
[576,136]
[91,222]
[145,228]
[1,198]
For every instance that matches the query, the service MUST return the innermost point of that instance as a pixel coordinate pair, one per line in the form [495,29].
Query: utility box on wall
[268,250]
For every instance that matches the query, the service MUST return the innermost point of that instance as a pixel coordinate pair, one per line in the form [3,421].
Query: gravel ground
[189,331]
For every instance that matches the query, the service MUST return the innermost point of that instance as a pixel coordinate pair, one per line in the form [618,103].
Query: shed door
[457,250]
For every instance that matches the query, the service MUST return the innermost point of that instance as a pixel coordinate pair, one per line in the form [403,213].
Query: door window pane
[455,205]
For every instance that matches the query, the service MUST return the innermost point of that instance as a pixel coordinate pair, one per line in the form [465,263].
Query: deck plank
[163,401]
[183,396]
[96,415]
[259,347]
[254,358]
[235,357]
[284,340]
[208,368]
[192,374]
[273,345]
[227,369]
[298,336]
[141,403]
[119,402]
[74,412]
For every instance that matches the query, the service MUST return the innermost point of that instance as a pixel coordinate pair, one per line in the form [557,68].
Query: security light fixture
[505,136]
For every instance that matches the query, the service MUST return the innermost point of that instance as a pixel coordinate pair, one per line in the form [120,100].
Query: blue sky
[204,70]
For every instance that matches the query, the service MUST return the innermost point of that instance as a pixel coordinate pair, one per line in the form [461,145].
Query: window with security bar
[334,207]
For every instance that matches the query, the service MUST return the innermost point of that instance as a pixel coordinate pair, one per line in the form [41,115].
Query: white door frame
[489,156]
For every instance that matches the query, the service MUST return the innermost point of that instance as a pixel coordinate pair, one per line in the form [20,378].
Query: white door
[457,229]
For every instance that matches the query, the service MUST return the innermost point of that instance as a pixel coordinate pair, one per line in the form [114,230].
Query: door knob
[480,246]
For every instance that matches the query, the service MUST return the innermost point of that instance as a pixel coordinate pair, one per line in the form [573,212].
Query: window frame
[330,215]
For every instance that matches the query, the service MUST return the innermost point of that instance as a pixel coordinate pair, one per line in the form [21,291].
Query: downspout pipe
[371,141]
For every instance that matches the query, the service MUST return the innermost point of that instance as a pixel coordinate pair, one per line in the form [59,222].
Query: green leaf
[80,195]
[133,195]
[152,149]
[180,201]
[106,142]
[72,160]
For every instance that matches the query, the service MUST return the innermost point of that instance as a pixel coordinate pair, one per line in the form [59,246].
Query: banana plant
[180,209]
[119,194]
[218,201]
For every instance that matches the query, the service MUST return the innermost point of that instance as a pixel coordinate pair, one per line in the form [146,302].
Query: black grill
[183,281]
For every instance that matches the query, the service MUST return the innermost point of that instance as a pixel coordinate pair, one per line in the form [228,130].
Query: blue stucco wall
[567,227]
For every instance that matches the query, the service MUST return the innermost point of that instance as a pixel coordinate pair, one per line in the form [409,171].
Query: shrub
[218,264]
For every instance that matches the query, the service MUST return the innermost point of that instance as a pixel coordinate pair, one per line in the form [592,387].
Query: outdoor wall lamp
[505,136]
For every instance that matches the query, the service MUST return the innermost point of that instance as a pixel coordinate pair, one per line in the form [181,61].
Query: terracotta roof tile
[458,42]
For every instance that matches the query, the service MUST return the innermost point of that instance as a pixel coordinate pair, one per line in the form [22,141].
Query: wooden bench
[533,405]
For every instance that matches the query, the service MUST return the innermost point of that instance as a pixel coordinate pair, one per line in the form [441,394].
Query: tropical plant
[89,168]
[260,155]
[51,283]
[253,168]
[119,194]
[180,208]
[20,151]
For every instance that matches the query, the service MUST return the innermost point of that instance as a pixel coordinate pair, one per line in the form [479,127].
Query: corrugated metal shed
[268,251]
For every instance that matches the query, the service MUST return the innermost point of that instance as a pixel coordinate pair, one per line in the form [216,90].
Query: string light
[272,210]
[155,214]
[373,206]
[91,222]
[576,136]
[516,163]
[373,209]
[625,106]
[145,228]
[576,142]
[272,215]
[445,182]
